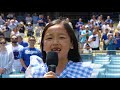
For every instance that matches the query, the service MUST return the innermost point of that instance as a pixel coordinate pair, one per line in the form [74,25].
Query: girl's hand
[50,74]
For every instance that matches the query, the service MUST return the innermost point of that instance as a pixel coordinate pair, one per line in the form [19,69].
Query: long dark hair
[73,54]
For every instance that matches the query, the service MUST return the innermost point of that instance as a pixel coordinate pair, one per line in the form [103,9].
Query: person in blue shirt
[111,43]
[21,41]
[58,36]
[41,21]
[85,35]
[78,26]
[27,52]
[104,37]
[117,38]
[108,20]
[35,19]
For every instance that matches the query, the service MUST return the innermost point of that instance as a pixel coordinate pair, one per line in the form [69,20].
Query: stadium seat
[19,75]
[101,62]
[112,75]
[97,71]
[102,57]
[86,57]
[115,58]
[112,66]
[96,66]
[111,70]
[101,75]
[115,63]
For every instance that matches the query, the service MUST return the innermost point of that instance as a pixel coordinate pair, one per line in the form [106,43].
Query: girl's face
[56,39]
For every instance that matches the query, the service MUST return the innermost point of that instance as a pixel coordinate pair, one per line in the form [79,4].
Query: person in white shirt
[118,27]
[94,40]
[68,20]
[16,48]
[87,49]
[6,58]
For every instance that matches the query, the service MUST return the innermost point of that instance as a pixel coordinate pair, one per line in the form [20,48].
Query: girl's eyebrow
[48,34]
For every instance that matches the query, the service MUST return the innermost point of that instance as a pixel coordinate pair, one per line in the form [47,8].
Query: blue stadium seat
[101,62]
[112,66]
[18,75]
[102,57]
[101,75]
[111,70]
[86,57]
[112,75]
[115,63]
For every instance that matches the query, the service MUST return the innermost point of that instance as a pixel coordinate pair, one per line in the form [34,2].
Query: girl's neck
[61,66]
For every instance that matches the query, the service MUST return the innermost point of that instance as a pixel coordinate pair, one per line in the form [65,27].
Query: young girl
[58,36]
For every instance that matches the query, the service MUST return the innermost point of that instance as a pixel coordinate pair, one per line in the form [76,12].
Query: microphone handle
[52,68]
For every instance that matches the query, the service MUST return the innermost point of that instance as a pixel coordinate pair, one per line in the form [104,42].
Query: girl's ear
[71,46]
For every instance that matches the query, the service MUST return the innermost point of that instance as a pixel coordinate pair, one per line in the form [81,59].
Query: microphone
[52,60]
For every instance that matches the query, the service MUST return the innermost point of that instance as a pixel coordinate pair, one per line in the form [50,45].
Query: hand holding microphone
[52,62]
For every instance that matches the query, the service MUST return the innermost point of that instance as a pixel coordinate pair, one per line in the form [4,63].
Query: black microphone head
[52,58]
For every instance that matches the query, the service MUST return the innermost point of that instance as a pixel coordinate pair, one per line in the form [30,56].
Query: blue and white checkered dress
[76,70]
[72,70]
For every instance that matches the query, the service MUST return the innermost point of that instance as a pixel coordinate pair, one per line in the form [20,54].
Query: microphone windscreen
[52,58]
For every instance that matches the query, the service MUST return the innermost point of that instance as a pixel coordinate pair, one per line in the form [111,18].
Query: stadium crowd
[13,31]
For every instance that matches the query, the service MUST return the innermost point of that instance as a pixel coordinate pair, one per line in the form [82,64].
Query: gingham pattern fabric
[72,70]
[76,70]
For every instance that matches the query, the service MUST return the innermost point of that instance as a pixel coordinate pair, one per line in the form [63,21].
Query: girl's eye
[62,37]
[49,38]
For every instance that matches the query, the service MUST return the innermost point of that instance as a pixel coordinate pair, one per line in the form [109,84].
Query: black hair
[31,37]
[73,54]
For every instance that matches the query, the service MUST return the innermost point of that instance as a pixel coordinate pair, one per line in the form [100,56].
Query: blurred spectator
[104,27]
[35,19]
[10,15]
[29,29]
[118,26]
[94,40]
[28,19]
[111,43]
[68,20]
[87,49]
[15,31]
[2,22]
[111,27]
[22,29]
[27,52]
[7,31]
[41,21]
[78,26]
[1,35]
[117,38]
[21,41]
[84,36]
[12,24]
[16,48]
[108,20]
[104,37]
[6,58]
[48,19]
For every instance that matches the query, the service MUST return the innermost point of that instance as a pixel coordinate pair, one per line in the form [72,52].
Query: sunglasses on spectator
[2,42]
[31,40]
